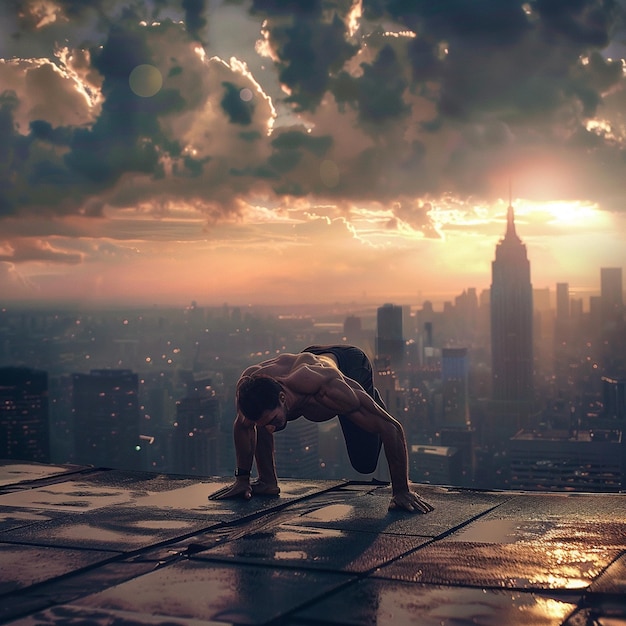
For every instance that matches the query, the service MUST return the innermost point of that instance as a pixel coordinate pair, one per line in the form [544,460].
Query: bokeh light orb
[145,80]
[245,94]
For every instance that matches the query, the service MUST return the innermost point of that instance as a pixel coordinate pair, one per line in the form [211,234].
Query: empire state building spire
[510,224]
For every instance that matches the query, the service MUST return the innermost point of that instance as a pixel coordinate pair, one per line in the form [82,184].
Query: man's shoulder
[277,365]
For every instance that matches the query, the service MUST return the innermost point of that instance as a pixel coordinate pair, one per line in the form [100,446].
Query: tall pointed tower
[512,321]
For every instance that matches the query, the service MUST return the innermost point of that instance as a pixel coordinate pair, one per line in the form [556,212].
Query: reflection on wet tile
[332,513]
[69,615]
[66,589]
[11,518]
[516,566]
[14,472]
[375,602]
[494,529]
[300,546]
[322,552]
[67,496]
[565,507]
[115,529]
[23,566]
[195,588]
[367,511]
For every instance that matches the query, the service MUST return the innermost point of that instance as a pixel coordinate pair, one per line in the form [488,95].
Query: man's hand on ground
[239,489]
[409,501]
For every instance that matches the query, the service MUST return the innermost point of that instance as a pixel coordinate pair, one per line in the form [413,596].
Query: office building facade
[389,333]
[24,419]
[106,418]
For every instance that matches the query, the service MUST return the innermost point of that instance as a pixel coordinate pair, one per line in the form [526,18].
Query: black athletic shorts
[363,447]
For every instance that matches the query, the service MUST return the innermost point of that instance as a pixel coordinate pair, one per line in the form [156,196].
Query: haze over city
[263,152]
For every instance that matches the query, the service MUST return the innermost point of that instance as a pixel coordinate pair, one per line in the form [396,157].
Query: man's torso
[280,367]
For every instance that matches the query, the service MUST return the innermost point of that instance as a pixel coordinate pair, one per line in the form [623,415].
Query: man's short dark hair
[257,394]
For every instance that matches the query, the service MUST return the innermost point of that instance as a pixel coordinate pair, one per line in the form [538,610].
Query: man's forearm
[245,445]
[394,444]
[264,457]
[393,437]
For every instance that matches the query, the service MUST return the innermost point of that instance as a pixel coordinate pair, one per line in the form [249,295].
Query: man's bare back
[299,404]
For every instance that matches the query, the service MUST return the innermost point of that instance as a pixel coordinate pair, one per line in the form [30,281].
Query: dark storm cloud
[512,67]
[238,110]
[13,149]
[378,93]
[418,113]
[194,17]
[499,59]
[583,22]
[310,51]
[125,138]
[101,14]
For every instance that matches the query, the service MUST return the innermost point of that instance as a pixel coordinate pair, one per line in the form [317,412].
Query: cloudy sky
[281,151]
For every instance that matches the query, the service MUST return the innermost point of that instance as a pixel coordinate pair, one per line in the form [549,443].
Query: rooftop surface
[96,546]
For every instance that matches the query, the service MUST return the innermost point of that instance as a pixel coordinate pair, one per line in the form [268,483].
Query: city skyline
[264,153]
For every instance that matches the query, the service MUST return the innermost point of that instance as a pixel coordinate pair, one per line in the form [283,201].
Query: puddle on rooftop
[17,473]
[84,531]
[291,555]
[468,606]
[499,531]
[331,513]
[191,498]
[12,516]
[66,496]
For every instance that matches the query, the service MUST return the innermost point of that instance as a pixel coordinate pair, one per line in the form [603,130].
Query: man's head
[257,394]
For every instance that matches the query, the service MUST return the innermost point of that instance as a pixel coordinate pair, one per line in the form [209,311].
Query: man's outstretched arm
[351,400]
[244,434]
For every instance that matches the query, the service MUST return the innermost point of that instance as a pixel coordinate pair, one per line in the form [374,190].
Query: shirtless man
[319,383]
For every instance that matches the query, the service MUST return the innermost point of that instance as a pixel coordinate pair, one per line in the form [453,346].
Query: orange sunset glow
[266,152]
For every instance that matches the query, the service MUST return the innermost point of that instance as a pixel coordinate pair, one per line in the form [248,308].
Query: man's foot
[260,488]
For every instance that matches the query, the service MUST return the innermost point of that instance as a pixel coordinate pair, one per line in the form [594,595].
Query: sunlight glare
[572,213]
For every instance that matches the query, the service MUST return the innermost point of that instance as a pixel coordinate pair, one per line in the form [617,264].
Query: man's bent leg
[363,447]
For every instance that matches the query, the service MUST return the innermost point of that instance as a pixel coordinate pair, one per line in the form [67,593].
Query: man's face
[274,420]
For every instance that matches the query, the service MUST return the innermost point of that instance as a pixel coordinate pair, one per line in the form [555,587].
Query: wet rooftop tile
[85,545]
[383,602]
[224,593]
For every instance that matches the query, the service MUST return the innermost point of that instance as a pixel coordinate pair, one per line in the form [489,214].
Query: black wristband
[242,472]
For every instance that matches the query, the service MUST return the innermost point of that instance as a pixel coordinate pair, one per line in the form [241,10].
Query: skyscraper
[454,378]
[611,295]
[106,418]
[562,302]
[389,333]
[24,426]
[562,329]
[512,321]
[194,440]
